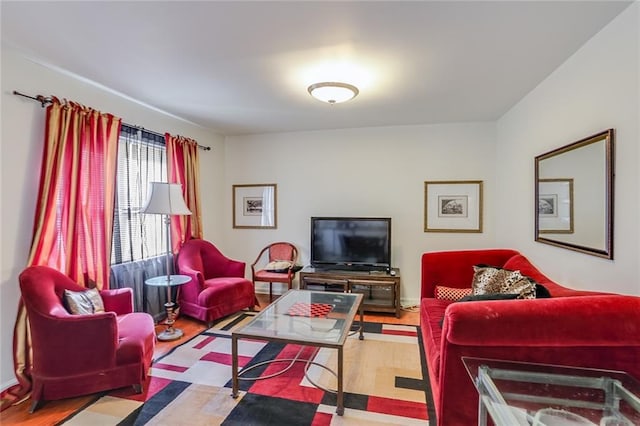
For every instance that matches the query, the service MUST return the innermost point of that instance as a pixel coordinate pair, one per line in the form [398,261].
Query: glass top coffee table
[522,394]
[308,318]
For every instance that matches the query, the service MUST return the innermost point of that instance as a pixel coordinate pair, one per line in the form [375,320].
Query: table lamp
[166,199]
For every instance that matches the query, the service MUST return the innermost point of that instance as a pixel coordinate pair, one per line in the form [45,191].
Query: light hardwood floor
[53,412]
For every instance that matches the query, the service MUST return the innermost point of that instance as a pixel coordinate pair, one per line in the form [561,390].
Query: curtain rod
[44,101]
[202,147]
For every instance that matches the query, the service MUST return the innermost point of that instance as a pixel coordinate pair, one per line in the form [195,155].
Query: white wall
[368,172]
[596,89]
[21,151]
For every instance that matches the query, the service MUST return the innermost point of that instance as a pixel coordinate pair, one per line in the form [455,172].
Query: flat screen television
[351,243]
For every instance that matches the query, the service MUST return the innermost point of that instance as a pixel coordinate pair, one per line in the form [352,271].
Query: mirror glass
[574,196]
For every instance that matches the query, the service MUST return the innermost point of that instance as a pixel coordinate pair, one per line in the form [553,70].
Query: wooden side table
[170,333]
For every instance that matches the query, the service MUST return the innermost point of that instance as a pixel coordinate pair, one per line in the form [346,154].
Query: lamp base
[170,334]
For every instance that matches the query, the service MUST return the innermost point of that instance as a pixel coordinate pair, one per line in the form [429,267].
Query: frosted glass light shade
[333,92]
[165,198]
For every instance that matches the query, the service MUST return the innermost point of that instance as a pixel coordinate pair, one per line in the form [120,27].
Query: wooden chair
[276,263]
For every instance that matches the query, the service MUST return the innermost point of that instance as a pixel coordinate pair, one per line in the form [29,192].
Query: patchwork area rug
[383,381]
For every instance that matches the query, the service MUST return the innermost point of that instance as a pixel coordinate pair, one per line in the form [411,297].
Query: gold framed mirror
[574,195]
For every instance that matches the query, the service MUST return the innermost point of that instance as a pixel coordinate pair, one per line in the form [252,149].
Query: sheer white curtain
[139,241]
[268,207]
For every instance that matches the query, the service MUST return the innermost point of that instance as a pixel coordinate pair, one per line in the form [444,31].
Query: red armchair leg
[35,404]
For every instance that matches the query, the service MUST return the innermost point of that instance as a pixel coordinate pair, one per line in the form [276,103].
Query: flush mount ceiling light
[332,92]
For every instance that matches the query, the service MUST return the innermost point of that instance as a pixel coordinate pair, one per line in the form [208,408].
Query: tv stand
[381,290]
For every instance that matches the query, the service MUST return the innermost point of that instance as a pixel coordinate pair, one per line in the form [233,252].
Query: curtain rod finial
[42,99]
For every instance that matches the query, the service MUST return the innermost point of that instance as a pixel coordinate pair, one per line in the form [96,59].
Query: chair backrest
[64,344]
[43,289]
[283,251]
[204,257]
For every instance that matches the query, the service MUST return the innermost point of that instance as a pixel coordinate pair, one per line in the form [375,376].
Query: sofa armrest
[118,300]
[611,320]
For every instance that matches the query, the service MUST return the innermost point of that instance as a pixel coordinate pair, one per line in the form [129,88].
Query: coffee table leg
[234,366]
[361,337]
[482,413]
[340,409]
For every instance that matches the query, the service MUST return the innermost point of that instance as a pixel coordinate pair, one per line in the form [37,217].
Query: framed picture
[453,206]
[555,206]
[254,206]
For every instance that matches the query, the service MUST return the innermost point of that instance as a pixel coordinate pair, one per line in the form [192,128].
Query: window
[141,159]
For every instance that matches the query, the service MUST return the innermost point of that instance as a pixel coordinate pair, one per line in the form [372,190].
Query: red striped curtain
[74,213]
[184,168]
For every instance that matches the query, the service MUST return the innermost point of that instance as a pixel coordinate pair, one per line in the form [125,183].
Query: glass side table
[171,333]
[523,394]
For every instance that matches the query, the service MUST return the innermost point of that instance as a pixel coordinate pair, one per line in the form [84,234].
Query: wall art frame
[453,206]
[255,206]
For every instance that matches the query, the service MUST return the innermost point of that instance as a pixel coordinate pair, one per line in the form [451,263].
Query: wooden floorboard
[53,412]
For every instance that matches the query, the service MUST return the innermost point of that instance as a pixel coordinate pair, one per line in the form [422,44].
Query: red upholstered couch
[577,328]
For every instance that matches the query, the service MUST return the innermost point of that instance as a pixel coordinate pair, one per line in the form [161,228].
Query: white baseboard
[278,288]
[6,385]
[409,303]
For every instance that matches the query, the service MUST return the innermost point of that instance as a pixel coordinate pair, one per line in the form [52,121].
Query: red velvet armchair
[82,354]
[218,287]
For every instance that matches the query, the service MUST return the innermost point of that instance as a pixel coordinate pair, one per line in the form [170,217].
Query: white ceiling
[243,67]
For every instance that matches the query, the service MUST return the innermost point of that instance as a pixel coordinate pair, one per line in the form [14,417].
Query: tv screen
[351,243]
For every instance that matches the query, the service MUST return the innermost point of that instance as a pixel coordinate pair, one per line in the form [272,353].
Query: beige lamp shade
[165,198]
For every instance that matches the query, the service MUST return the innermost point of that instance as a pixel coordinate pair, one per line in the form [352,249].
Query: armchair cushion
[83,302]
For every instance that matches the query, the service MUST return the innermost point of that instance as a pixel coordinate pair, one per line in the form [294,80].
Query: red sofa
[577,328]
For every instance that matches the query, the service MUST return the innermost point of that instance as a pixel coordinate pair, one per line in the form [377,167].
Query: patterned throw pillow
[490,280]
[84,302]
[278,266]
[451,293]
